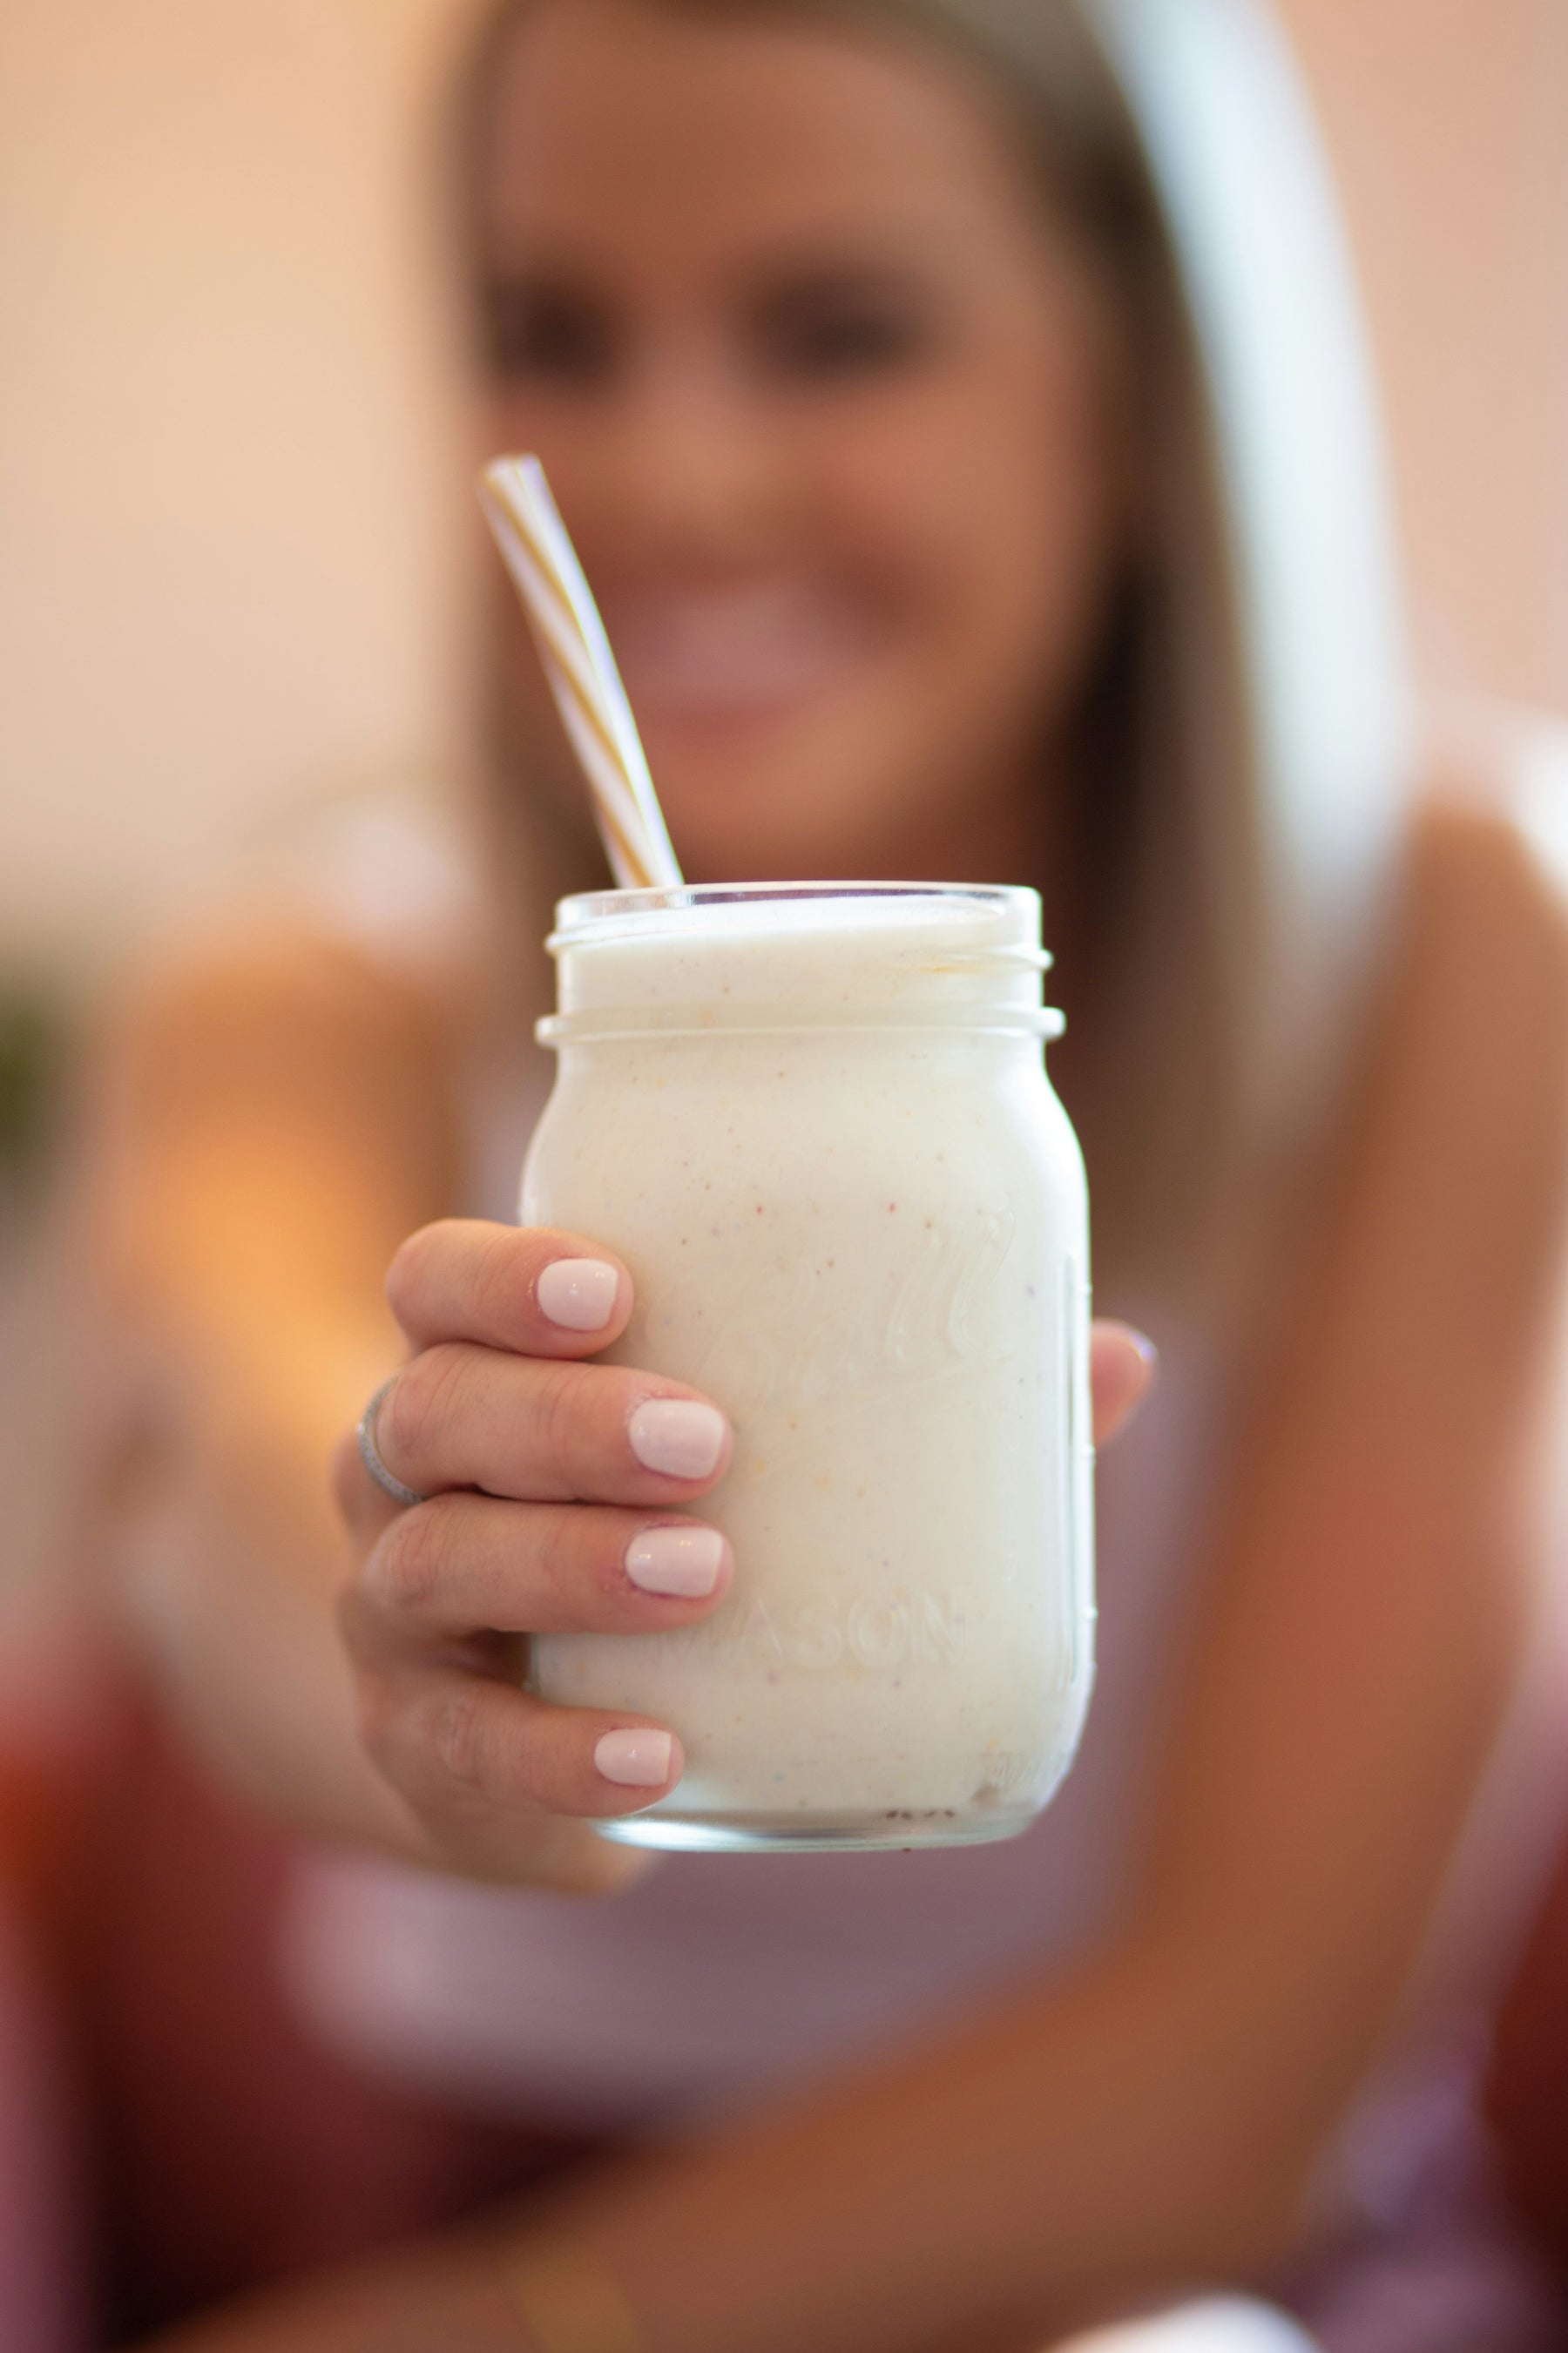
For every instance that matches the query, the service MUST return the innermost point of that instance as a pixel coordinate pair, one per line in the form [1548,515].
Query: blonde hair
[1167,785]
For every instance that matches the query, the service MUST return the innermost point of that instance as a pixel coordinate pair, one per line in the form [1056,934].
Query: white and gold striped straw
[580,668]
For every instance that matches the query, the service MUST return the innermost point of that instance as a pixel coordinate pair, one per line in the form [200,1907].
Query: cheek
[986,509]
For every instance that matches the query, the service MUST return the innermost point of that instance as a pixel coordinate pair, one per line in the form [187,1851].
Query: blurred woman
[957,409]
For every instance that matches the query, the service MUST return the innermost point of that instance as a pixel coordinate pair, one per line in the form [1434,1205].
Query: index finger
[527,1289]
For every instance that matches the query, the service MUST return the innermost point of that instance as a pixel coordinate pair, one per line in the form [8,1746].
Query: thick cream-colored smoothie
[819,1131]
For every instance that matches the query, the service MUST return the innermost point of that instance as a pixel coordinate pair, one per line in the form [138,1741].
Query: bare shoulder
[1490,874]
[271,1099]
[255,998]
[1488,921]
[274,1082]
[1469,1096]
[364,921]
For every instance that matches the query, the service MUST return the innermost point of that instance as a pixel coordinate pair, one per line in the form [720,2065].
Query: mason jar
[814,1121]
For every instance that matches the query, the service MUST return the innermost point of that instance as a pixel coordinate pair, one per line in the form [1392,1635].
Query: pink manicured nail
[676,1436]
[637,1759]
[578,1293]
[684,1561]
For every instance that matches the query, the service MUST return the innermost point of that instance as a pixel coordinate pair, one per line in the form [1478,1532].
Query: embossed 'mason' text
[901,1629]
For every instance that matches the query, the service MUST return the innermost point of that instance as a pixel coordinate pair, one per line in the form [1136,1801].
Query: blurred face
[829,405]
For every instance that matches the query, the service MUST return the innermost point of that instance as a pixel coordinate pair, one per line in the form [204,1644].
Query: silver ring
[372,1460]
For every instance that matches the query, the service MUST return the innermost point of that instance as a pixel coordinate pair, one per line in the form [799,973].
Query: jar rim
[594,911]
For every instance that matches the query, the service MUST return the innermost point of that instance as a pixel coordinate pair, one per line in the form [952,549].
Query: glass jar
[814,1121]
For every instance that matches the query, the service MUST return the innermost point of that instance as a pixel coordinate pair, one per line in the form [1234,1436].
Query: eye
[838,328]
[546,333]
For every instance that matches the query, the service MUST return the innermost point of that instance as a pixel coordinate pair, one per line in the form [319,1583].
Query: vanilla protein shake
[815,1121]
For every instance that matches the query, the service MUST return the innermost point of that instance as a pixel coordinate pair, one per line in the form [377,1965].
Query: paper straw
[580,668]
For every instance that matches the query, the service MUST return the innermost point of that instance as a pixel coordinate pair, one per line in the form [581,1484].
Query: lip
[727,651]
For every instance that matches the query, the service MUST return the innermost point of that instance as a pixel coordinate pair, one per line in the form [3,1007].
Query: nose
[696,471]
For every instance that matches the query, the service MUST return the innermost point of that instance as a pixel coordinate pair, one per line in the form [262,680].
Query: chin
[747,854]
[771,801]
[749,833]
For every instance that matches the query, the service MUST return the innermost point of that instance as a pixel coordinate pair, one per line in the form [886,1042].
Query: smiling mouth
[728,652]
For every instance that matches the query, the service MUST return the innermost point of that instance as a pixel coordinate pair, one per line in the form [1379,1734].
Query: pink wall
[1449,123]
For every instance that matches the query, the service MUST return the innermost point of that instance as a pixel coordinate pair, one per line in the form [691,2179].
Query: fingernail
[638,1759]
[686,1561]
[1144,1346]
[578,1293]
[678,1436]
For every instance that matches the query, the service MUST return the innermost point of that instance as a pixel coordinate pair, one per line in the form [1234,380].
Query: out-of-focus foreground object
[1527,2093]
[1215,2325]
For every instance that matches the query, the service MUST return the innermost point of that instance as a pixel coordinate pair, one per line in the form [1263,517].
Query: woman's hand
[559,1498]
